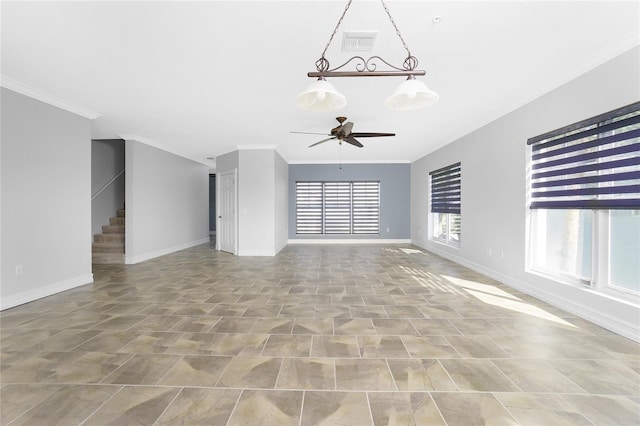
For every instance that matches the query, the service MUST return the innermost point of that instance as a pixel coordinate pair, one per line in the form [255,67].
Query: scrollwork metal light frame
[367,67]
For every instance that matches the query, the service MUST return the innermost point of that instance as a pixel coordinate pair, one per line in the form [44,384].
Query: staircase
[108,247]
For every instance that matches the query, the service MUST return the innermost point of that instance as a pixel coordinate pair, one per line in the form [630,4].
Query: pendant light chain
[336,28]
[386,9]
[396,27]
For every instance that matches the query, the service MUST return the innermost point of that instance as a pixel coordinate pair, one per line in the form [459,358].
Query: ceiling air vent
[358,41]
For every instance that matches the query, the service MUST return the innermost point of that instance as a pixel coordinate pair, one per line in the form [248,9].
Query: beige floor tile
[470,409]
[273,407]
[195,324]
[307,373]
[69,405]
[476,347]
[143,369]
[382,347]
[273,325]
[429,347]
[353,327]
[37,367]
[313,326]
[420,375]
[363,374]
[287,346]
[593,377]
[150,342]
[536,409]
[345,331]
[251,372]
[335,346]
[403,408]
[18,399]
[536,376]
[134,405]
[87,367]
[336,409]
[607,410]
[478,375]
[196,370]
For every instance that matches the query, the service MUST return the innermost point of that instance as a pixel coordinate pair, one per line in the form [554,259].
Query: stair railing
[106,185]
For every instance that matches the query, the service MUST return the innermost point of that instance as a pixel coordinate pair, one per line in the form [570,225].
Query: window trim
[601,249]
[445,200]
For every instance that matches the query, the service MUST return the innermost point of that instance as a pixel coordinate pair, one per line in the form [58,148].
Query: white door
[226,229]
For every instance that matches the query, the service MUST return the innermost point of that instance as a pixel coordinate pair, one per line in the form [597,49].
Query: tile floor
[318,335]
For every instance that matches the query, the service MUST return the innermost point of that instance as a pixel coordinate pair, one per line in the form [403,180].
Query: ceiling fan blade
[346,128]
[353,141]
[309,133]
[370,134]
[322,141]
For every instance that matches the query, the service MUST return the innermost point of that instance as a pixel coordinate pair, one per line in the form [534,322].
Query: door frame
[219,178]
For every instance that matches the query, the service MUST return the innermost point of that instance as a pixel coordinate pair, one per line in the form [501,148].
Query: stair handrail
[106,185]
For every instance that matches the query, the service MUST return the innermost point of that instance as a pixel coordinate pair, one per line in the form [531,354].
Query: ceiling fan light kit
[411,94]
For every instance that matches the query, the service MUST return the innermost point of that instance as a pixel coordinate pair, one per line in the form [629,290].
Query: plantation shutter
[445,189]
[366,207]
[337,208]
[593,164]
[308,207]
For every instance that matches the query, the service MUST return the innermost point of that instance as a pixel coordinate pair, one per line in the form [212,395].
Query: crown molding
[23,89]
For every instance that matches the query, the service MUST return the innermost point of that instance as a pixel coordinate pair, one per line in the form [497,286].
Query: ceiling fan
[343,133]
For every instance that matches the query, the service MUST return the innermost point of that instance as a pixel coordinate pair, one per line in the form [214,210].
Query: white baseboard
[603,319]
[47,290]
[348,241]
[131,260]
[270,253]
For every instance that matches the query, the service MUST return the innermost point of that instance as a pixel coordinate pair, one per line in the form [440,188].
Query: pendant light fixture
[411,94]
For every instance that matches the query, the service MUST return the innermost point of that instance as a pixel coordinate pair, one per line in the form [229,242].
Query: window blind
[593,164]
[445,189]
[366,207]
[309,207]
[338,207]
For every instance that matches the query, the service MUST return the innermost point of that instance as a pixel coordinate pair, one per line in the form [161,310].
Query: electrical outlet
[19,269]
[387,229]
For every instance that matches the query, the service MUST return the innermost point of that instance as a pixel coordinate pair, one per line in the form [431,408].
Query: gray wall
[256,203]
[212,203]
[395,193]
[262,199]
[281,193]
[494,210]
[46,199]
[107,160]
[167,200]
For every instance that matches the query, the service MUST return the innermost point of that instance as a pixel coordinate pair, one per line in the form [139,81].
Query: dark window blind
[593,164]
[445,189]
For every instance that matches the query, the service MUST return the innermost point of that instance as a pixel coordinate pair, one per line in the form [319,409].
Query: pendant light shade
[411,94]
[321,96]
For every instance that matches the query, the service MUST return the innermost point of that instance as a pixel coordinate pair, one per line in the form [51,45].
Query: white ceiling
[201,79]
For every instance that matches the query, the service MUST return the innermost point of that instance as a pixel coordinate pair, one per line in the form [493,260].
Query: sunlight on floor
[500,298]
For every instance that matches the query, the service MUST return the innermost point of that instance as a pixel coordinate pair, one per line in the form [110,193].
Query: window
[585,202]
[333,208]
[445,204]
